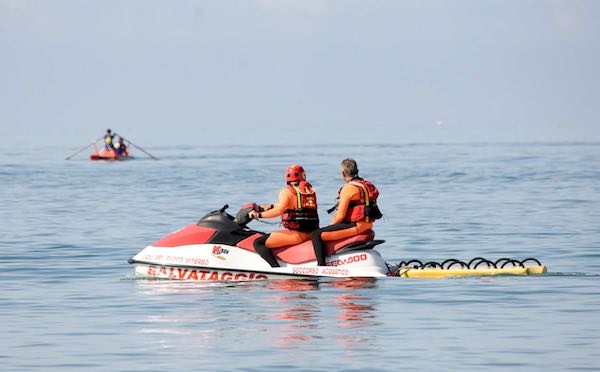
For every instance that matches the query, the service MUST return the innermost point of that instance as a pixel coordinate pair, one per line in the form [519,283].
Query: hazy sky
[276,71]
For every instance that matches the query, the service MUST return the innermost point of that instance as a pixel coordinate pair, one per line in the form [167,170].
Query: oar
[141,149]
[83,148]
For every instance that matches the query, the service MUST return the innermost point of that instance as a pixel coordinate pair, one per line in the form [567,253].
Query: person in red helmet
[297,207]
[356,210]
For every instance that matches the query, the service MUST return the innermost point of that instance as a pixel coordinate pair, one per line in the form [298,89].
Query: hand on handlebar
[253,214]
[266,207]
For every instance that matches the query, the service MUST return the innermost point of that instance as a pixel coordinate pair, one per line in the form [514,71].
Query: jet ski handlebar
[219,217]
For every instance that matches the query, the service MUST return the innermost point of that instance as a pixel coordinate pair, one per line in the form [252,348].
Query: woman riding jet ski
[221,247]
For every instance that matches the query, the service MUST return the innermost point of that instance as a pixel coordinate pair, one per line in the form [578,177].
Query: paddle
[139,148]
[83,148]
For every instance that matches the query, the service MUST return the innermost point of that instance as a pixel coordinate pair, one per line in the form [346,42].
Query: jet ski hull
[151,271]
[201,262]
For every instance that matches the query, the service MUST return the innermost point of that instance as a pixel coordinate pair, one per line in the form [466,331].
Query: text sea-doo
[220,247]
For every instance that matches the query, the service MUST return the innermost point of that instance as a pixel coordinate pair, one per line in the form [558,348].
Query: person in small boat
[297,206]
[120,146]
[108,140]
[356,210]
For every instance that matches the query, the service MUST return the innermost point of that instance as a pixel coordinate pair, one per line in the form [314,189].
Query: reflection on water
[356,308]
[291,314]
[296,309]
[158,286]
[356,313]
[353,313]
[293,285]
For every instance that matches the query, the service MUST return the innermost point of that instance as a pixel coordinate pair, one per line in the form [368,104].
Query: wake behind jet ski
[220,247]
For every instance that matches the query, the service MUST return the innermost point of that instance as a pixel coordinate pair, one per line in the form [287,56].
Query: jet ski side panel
[191,234]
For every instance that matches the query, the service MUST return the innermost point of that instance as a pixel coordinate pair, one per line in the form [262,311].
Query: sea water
[68,298]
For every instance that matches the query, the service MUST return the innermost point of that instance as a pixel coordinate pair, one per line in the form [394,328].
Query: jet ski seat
[304,252]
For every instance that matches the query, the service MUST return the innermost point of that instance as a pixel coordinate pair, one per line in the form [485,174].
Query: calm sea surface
[68,299]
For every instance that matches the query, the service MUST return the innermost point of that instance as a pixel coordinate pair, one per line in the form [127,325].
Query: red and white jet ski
[219,247]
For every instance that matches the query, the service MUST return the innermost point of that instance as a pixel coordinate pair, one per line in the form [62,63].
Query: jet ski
[220,247]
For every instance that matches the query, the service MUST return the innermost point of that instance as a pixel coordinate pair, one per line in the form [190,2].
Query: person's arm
[345,198]
[278,208]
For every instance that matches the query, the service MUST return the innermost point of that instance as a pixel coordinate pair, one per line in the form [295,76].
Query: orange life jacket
[365,209]
[303,216]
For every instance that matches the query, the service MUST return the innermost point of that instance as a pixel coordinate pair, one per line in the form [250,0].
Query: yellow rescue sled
[478,266]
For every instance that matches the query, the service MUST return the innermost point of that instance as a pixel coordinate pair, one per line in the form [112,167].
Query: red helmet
[294,173]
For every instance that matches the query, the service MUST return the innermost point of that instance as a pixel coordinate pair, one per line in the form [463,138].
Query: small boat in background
[107,154]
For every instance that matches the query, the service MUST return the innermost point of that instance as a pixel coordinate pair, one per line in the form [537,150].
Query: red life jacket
[365,209]
[303,216]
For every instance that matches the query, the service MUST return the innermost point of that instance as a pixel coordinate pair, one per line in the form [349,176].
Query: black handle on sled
[224,207]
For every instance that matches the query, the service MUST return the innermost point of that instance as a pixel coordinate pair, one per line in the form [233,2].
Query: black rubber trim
[532,259]
[359,246]
[431,264]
